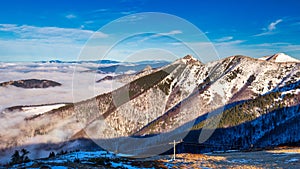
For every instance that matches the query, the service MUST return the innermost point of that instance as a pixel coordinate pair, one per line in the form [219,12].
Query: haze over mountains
[60,72]
[241,102]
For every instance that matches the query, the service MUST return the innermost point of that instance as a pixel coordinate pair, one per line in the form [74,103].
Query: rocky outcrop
[31,83]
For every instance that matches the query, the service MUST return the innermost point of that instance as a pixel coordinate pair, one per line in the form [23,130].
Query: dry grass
[285,150]
[281,158]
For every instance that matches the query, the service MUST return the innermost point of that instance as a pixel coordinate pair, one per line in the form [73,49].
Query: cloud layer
[62,73]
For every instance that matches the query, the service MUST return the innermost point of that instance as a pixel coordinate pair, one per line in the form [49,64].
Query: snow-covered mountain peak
[280,57]
[147,68]
[190,59]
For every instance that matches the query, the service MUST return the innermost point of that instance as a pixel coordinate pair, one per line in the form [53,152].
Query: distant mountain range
[234,103]
[110,66]
[104,61]
[92,61]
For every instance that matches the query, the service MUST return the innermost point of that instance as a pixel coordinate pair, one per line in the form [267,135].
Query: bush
[16,158]
[76,160]
[51,155]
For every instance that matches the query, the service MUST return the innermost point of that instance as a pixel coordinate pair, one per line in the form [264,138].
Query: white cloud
[273,44]
[71,16]
[270,29]
[265,33]
[7,27]
[89,22]
[36,49]
[127,12]
[272,25]
[170,33]
[131,18]
[226,38]
[43,43]
[173,32]
[46,43]
[33,32]
[227,43]
[100,10]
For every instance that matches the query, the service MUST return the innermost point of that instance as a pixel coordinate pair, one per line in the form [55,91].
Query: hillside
[254,103]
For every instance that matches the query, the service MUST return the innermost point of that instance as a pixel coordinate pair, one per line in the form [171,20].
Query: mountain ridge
[176,95]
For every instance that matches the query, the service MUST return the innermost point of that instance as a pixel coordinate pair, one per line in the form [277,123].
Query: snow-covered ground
[83,157]
[282,158]
[35,110]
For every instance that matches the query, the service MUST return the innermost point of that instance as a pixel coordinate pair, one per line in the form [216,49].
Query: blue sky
[58,29]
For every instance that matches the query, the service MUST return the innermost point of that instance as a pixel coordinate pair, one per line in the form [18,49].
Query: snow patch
[292,160]
[35,110]
[280,57]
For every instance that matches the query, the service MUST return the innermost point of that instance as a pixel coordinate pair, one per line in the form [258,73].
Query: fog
[78,83]
[62,73]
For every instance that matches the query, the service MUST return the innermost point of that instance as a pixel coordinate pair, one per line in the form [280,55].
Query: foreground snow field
[278,158]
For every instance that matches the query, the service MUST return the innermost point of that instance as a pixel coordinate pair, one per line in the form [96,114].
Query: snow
[289,153]
[35,110]
[280,57]
[292,160]
[263,58]
[189,81]
[58,167]
[84,157]
[10,127]
[23,165]
[243,161]
[115,165]
[220,89]
[268,74]
[231,151]
[294,91]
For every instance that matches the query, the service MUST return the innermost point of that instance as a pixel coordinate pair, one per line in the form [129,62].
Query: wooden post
[174,148]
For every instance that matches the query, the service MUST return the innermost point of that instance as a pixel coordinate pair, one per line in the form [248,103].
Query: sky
[147,30]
